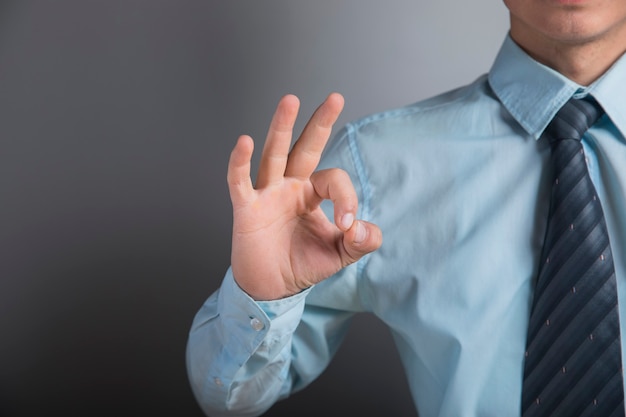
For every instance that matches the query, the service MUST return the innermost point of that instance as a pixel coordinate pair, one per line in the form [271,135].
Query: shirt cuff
[276,317]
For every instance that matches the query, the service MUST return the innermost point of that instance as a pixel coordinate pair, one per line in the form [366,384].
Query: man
[458,185]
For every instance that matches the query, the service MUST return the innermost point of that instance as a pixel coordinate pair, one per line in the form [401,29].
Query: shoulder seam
[417,107]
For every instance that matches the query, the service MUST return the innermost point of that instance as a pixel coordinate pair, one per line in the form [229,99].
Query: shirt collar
[533,92]
[609,89]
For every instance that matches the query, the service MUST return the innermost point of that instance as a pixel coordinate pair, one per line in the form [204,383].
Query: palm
[290,235]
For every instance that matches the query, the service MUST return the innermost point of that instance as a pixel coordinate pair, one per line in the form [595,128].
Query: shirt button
[256,324]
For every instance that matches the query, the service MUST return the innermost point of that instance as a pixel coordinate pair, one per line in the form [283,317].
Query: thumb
[360,239]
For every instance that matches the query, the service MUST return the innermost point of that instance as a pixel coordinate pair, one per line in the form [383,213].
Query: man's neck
[581,61]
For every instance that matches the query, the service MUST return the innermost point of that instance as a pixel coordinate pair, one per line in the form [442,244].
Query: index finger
[306,152]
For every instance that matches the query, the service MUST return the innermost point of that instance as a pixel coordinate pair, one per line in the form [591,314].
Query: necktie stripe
[565,336]
[566,285]
[573,358]
[591,111]
[571,173]
[574,400]
[587,228]
[571,184]
[553,345]
[569,212]
[558,384]
[605,403]
[568,126]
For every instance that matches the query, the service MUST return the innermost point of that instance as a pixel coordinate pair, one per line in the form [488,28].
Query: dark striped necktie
[573,357]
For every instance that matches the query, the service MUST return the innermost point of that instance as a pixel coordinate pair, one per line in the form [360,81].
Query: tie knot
[573,120]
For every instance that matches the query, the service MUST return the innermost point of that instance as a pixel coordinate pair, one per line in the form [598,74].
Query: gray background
[116,122]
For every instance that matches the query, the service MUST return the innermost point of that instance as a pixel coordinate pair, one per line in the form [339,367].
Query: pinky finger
[238,178]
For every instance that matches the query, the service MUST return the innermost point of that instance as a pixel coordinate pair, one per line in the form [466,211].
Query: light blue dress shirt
[459,186]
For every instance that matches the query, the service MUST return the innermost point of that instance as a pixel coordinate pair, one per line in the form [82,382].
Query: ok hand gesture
[282,240]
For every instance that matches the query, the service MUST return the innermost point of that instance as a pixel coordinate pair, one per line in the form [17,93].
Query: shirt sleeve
[243,355]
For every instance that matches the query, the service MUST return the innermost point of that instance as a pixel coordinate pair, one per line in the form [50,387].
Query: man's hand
[282,240]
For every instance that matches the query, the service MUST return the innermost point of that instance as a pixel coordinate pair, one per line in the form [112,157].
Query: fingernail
[360,233]
[347,220]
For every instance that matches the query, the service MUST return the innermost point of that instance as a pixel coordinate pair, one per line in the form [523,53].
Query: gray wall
[116,121]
